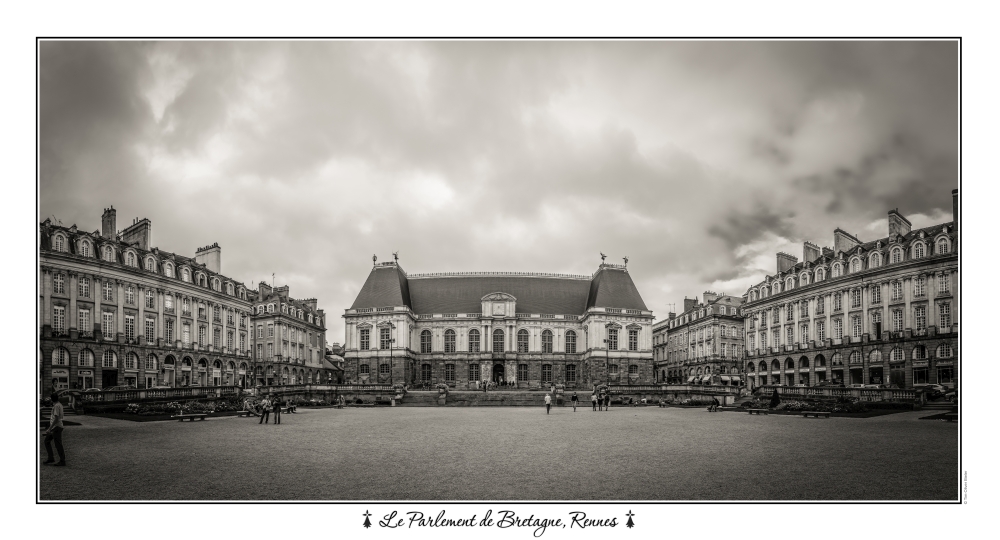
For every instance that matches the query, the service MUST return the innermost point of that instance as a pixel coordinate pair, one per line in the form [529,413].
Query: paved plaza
[406,453]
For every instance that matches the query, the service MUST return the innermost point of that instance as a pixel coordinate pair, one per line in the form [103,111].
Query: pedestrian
[54,433]
[593,401]
[548,403]
[265,411]
[277,411]
[607,401]
[574,399]
[715,405]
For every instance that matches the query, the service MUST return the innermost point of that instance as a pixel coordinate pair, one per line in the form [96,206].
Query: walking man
[54,433]
[277,411]
[574,399]
[265,410]
[593,401]
[548,403]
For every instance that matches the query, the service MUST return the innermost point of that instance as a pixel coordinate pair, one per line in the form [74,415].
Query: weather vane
[626,260]
[602,257]
[374,258]
[395,256]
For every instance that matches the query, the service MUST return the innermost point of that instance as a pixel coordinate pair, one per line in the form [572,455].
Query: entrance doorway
[857,376]
[109,378]
[498,373]
[875,375]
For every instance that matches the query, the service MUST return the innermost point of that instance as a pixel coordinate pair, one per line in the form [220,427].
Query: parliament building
[529,330]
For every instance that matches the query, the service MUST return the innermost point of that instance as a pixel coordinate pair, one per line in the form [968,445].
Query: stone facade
[878,312]
[116,312]
[703,343]
[517,335]
[289,338]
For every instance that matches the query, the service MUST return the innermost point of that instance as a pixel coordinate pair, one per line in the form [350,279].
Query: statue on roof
[625,258]
[395,256]
[374,258]
[602,257]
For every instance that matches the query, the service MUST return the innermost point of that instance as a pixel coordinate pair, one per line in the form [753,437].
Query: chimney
[671,315]
[311,303]
[844,241]
[785,262]
[210,256]
[264,288]
[954,208]
[810,252]
[689,303]
[827,252]
[897,223]
[108,229]
[710,297]
[138,234]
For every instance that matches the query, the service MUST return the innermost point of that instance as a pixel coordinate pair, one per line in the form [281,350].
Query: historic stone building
[115,311]
[289,338]
[704,344]
[529,329]
[883,311]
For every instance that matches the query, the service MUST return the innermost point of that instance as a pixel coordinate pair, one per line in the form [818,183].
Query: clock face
[498,309]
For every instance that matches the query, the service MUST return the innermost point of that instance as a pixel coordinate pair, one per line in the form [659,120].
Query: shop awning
[691,378]
[706,378]
[725,378]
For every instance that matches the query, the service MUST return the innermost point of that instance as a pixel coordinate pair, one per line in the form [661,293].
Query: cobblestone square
[514,453]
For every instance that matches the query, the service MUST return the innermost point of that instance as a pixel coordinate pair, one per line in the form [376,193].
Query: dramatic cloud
[697,160]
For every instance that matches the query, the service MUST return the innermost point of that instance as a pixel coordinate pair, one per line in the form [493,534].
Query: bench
[951,417]
[243,414]
[757,411]
[192,417]
[817,414]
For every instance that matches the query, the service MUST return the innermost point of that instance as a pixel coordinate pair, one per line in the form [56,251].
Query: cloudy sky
[696,160]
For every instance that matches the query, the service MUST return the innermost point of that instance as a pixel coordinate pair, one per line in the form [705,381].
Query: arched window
[109,254]
[633,370]
[130,259]
[86,358]
[837,270]
[789,283]
[820,274]
[944,351]
[942,246]
[875,357]
[186,275]
[919,352]
[763,366]
[751,367]
[855,265]
[201,280]
[474,342]
[150,363]
[522,341]
[775,365]
[109,360]
[896,256]
[229,289]
[60,357]
[546,341]
[571,342]
[449,341]
[896,355]
[803,280]
[85,248]
[836,360]
[58,243]
[425,341]
[918,250]
[546,373]
[168,270]
[803,363]
[150,265]
[875,260]
[498,340]
[854,358]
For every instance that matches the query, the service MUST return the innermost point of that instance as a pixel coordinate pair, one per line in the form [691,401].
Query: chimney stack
[689,303]
[108,229]
[210,256]
[138,234]
[785,262]
[844,241]
[710,297]
[810,252]
[897,223]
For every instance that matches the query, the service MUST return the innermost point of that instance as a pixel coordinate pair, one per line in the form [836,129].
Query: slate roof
[463,293]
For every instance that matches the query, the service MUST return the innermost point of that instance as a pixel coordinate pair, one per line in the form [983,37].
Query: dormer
[498,304]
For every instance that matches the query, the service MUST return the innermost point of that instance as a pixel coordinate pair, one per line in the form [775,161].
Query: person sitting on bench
[714,407]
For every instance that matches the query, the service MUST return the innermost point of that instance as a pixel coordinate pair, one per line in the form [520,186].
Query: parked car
[933,391]
[858,385]
[873,386]
[951,395]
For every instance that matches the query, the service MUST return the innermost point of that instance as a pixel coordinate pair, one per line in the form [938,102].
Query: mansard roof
[387,285]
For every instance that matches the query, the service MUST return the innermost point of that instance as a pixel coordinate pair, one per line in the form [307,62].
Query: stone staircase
[939,406]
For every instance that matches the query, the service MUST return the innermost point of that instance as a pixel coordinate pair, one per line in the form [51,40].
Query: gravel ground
[514,453]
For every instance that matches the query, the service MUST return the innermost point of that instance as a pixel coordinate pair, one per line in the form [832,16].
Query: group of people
[272,404]
[597,400]
[493,385]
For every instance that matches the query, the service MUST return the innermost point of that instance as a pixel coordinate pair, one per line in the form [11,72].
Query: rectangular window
[383,338]
[775,337]
[168,331]
[108,325]
[84,323]
[129,327]
[920,317]
[789,313]
[474,344]
[216,337]
[473,372]
[270,329]
[837,301]
[229,340]
[944,315]
[58,284]
[449,372]
[260,351]
[270,350]
[776,315]
[820,330]
[633,340]
[149,298]
[58,319]
[838,329]
[186,335]
[789,336]
[547,373]
[856,298]
[168,302]
[83,287]
[202,337]
[365,339]
[876,294]
[571,373]
[919,286]
[804,333]
[723,350]
[897,320]
[856,326]
[897,290]
[108,294]
[186,306]
[820,305]
[522,372]
[150,332]
[804,308]
[243,342]
[612,339]
[943,283]
[260,331]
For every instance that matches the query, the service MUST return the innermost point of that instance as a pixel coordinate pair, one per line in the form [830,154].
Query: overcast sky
[698,160]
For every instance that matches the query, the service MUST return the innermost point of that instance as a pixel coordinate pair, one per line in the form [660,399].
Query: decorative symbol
[630,524]
[367,522]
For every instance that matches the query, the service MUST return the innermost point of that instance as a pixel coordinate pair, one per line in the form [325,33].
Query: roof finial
[602,257]
[374,258]
[395,256]
[625,258]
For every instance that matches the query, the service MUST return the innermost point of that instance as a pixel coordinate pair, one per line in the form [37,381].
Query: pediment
[499,296]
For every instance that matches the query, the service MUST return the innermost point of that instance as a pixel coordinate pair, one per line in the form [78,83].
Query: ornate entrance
[498,373]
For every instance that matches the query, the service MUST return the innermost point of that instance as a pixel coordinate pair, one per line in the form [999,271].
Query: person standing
[265,411]
[548,403]
[277,411]
[54,433]
[593,401]
[607,401]
[574,399]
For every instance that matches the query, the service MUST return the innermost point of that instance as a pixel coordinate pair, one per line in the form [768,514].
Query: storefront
[921,372]
[945,372]
[85,379]
[875,375]
[897,375]
[60,379]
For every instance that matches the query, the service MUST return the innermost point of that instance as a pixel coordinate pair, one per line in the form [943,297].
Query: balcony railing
[189,392]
